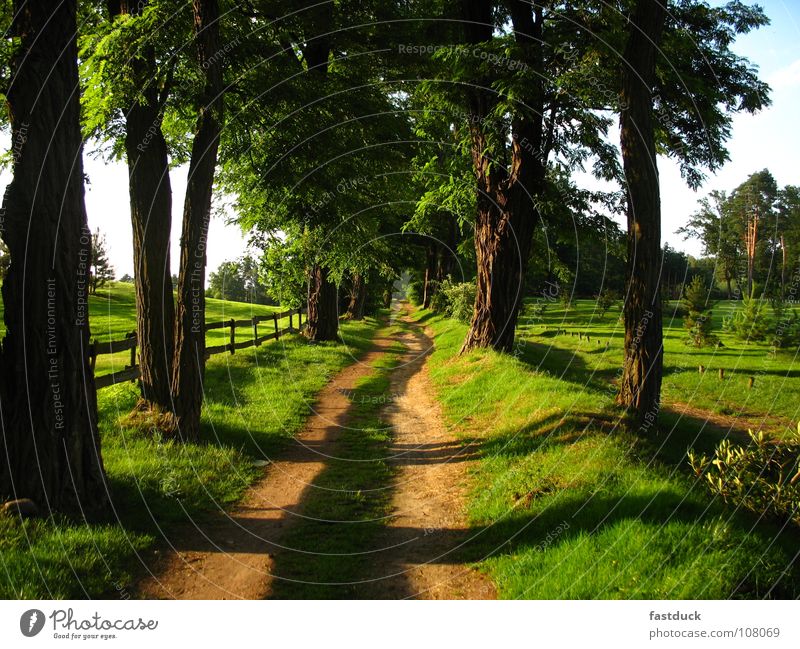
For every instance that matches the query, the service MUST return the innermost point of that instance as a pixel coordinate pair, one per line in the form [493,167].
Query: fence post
[300,318]
[233,335]
[93,354]
[255,331]
[277,331]
[134,342]
[290,320]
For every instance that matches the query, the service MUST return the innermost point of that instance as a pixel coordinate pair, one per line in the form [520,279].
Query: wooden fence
[131,371]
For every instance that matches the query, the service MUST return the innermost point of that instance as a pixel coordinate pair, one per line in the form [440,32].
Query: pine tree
[698,317]
[101,270]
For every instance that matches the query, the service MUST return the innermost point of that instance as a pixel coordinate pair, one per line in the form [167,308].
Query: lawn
[255,400]
[566,504]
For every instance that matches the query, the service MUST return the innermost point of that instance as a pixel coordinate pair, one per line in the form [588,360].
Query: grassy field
[565,504]
[255,401]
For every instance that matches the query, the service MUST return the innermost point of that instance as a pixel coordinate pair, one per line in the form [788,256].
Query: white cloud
[787,77]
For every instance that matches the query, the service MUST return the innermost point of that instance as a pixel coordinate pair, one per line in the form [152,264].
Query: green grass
[256,400]
[348,503]
[112,315]
[771,403]
[565,504]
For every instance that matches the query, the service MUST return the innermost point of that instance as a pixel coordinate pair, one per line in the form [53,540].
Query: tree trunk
[323,321]
[783,267]
[430,273]
[51,446]
[190,333]
[358,298]
[506,214]
[151,218]
[640,386]
[730,290]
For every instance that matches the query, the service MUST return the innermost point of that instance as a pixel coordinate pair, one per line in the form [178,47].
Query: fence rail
[131,371]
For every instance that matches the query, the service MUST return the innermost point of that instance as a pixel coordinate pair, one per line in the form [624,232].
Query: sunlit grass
[566,504]
[256,400]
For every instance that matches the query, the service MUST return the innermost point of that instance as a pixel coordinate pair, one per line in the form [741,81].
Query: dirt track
[231,556]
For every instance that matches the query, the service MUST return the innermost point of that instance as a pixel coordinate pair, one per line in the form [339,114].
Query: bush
[698,316]
[763,477]
[455,300]
[749,322]
[605,301]
[787,327]
[414,292]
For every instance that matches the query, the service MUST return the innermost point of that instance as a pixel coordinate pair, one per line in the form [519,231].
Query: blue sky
[768,139]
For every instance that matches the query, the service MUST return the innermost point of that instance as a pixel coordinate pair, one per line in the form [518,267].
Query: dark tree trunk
[190,337]
[640,386]
[51,447]
[506,214]
[323,320]
[151,218]
[358,298]
[428,288]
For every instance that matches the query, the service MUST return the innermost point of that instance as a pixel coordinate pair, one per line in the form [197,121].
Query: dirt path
[231,555]
[429,520]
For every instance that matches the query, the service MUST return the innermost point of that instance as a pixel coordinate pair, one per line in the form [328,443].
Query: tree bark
[506,214]
[640,386]
[51,447]
[428,288]
[190,337]
[151,218]
[323,321]
[358,298]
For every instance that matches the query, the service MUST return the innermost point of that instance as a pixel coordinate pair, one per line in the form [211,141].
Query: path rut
[231,554]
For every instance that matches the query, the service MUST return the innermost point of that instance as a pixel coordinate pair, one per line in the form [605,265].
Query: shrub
[763,477]
[749,322]
[455,300]
[786,334]
[414,292]
[439,299]
[605,301]
[698,316]
[461,301]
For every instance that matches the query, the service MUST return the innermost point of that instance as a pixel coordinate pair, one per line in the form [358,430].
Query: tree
[227,283]
[720,236]
[640,384]
[51,447]
[752,205]
[102,271]
[304,164]
[505,211]
[698,320]
[511,113]
[125,101]
[190,333]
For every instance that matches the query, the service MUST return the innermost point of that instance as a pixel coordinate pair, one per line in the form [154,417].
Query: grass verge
[567,505]
[255,401]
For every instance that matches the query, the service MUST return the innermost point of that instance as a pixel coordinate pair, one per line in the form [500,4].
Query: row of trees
[753,234]
[363,137]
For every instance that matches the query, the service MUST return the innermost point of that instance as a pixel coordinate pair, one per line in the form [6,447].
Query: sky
[769,139]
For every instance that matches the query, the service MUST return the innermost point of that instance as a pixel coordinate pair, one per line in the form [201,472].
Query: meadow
[255,401]
[566,504]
